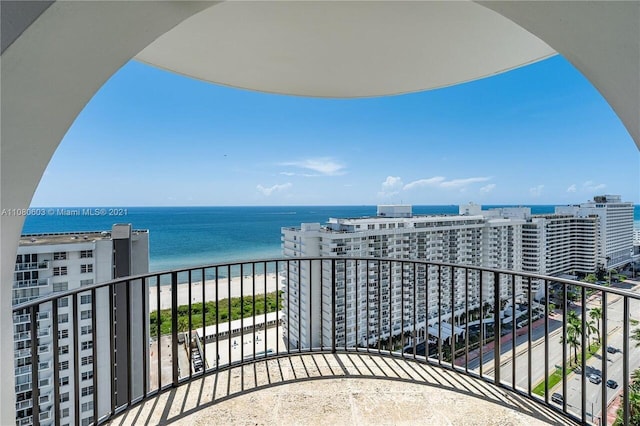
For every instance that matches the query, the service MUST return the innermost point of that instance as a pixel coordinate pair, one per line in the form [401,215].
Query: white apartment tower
[50,263]
[576,239]
[384,294]
[615,227]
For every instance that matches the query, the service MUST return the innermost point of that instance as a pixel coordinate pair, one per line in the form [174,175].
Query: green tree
[595,314]
[590,329]
[574,332]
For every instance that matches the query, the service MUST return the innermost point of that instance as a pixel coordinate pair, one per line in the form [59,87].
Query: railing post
[35,385]
[625,360]
[174,327]
[333,306]
[496,328]
[603,340]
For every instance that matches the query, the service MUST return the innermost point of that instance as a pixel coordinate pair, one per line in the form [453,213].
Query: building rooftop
[69,237]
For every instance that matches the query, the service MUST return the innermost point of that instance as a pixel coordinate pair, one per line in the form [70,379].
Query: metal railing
[483,322]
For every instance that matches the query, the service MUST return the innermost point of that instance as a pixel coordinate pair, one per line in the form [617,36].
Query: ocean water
[191,236]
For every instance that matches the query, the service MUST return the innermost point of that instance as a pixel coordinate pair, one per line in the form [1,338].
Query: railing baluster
[190,328]
[158,330]
[357,304]
[94,354]
[278,325]
[605,352]
[333,306]
[367,305]
[402,282]
[204,321]
[299,284]
[265,328]
[482,336]
[379,328]
[466,320]
[497,335]
[76,356]
[414,337]
[565,314]
[585,348]
[514,327]
[174,328]
[625,361]
[241,313]
[35,384]
[546,341]
[390,301]
[529,335]
[56,361]
[439,316]
[128,344]
[229,329]
[453,318]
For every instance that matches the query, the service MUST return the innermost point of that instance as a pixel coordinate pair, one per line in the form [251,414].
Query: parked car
[612,384]
[611,349]
[594,378]
[557,398]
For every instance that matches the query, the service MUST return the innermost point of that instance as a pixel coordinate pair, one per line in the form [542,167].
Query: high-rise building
[48,263]
[466,239]
[573,240]
[615,228]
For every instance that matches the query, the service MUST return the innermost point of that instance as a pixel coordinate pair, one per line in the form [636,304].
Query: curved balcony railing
[565,344]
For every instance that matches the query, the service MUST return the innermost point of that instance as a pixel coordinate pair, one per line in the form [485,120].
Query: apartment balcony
[32,266]
[255,366]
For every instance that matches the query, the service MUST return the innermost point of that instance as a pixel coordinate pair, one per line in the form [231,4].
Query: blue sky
[540,134]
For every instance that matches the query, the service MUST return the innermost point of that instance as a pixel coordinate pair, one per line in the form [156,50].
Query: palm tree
[590,328]
[572,339]
[596,314]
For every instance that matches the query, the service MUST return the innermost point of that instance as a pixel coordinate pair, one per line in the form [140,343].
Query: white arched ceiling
[61,53]
[344,49]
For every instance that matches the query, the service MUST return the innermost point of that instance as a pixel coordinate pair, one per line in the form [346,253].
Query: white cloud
[536,191]
[322,166]
[287,173]
[391,186]
[267,191]
[572,188]
[488,188]
[592,186]
[442,182]
[434,181]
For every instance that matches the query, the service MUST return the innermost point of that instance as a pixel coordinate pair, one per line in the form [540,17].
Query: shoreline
[238,285]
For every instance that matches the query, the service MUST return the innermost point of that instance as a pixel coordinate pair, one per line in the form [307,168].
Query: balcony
[251,364]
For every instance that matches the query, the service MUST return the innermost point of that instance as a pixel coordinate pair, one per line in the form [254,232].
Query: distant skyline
[539,134]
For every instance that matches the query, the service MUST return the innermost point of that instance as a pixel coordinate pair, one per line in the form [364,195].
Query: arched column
[50,70]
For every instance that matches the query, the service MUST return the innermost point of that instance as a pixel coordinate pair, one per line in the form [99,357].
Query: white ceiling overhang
[344,49]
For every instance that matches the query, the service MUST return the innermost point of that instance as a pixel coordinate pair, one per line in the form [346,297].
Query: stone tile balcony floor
[338,389]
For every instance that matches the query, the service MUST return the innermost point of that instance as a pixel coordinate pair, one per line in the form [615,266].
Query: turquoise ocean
[191,236]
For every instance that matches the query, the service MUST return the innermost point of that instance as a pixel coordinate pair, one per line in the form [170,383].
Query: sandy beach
[237,284]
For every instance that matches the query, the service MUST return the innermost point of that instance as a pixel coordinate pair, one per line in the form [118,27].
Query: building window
[86,360]
[63,365]
[86,345]
[44,382]
[86,299]
[85,315]
[86,254]
[85,329]
[62,318]
[87,406]
[87,421]
[63,350]
[86,391]
[63,303]
[64,397]
[64,381]
[63,286]
[86,268]
[63,334]
[86,282]
[65,411]
[59,271]
[87,375]
[60,255]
